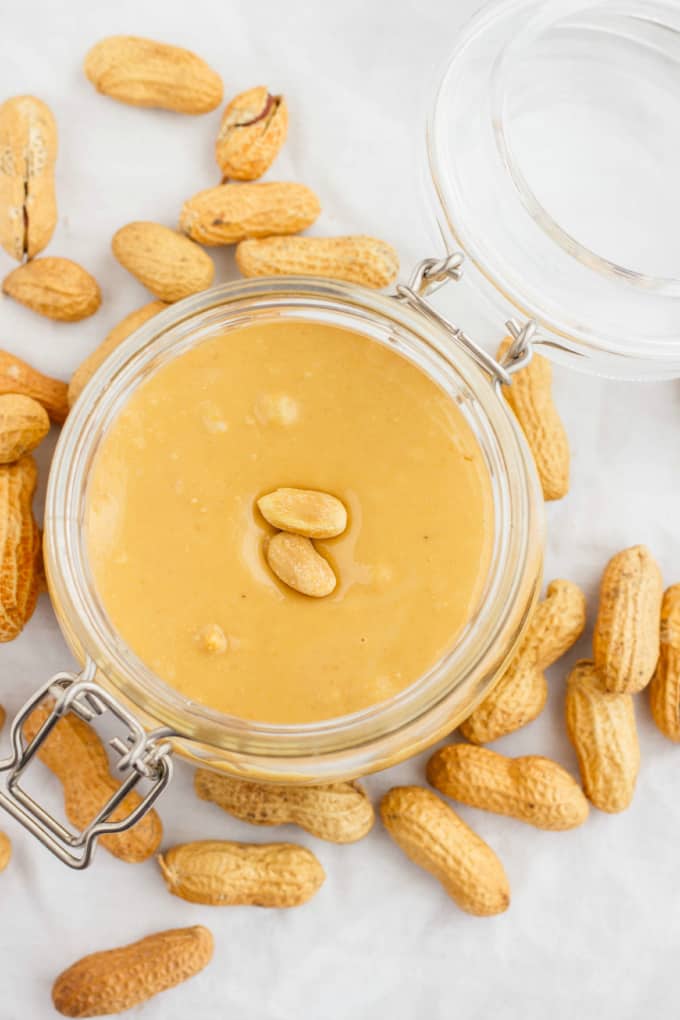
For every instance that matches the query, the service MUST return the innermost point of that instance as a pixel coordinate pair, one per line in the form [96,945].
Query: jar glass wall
[386,732]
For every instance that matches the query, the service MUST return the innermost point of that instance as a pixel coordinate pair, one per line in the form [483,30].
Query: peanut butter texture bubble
[176,542]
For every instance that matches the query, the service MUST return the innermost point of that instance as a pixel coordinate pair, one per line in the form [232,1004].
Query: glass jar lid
[554,148]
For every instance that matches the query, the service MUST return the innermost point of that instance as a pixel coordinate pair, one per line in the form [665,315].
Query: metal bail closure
[430,274]
[521,350]
[142,756]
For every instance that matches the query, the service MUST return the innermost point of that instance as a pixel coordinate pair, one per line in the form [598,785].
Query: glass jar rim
[365,737]
[535,266]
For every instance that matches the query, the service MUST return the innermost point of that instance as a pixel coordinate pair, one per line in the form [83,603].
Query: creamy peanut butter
[177,544]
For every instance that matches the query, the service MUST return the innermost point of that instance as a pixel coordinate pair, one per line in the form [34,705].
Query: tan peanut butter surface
[176,542]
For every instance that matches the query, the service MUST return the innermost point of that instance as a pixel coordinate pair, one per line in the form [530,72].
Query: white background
[594,925]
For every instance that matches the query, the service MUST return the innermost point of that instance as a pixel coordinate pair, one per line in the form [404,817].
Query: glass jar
[157,718]
[553,158]
[386,732]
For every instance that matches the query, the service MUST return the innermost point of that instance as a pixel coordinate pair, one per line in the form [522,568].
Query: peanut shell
[532,789]
[77,757]
[20,547]
[16,376]
[357,259]
[28,152]
[601,726]
[338,812]
[170,265]
[436,839]
[231,212]
[664,690]
[24,423]
[143,72]
[222,873]
[5,850]
[530,397]
[626,637]
[520,695]
[252,131]
[118,979]
[54,287]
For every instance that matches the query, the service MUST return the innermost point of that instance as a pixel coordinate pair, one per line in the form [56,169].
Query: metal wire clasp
[521,350]
[430,274]
[142,755]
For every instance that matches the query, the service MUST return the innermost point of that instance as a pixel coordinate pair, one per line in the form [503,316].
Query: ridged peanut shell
[77,757]
[227,874]
[252,131]
[5,850]
[305,512]
[170,265]
[626,635]
[530,397]
[519,698]
[436,839]
[532,789]
[118,979]
[143,72]
[54,287]
[356,259]
[520,695]
[664,690]
[20,547]
[28,152]
[122,331]
[337,812]
[16,376]
[24,423]
[601,727]
[232,212]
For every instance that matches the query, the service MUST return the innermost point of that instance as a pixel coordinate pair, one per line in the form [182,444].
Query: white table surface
[593,927]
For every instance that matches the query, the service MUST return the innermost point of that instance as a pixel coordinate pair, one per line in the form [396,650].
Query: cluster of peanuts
[259,217]
[636,644]
[263,220]
[637,632]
